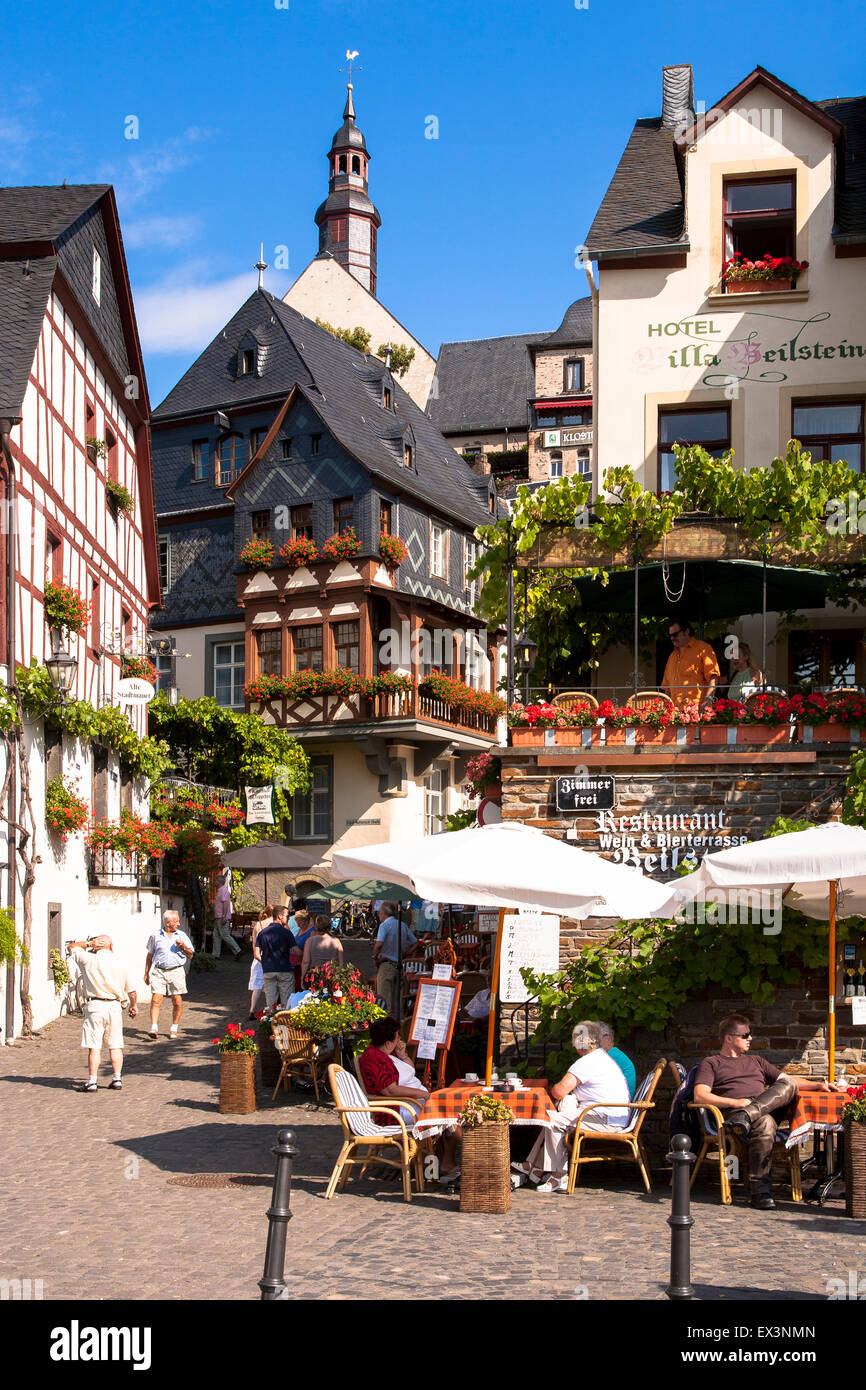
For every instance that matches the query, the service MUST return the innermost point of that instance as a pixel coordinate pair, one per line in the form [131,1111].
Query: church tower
[347,220]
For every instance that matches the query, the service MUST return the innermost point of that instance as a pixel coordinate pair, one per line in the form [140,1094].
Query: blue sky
[237,101]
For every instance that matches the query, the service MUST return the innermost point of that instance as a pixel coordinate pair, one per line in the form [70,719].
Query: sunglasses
[739,1035]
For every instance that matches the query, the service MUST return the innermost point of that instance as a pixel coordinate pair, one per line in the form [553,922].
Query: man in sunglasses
[753,1096]
[692,671]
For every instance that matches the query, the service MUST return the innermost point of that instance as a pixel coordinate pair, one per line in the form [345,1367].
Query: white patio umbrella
[820,872]
[507,866]
[268,855]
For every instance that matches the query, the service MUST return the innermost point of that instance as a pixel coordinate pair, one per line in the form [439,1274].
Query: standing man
[385,954]
[692,671]
[107,990]
[222,919]
[276,944]
[163,971]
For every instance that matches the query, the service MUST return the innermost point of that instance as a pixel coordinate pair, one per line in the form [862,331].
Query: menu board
[435,1012]
[529,939]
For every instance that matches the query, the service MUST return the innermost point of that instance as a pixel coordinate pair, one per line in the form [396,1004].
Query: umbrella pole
[399,993]
[266,886]
[831,1030]
[636,614]
[494,990]
[764,616]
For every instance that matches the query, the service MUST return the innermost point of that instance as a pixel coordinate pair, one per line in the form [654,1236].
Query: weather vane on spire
[261,265]
[351,55]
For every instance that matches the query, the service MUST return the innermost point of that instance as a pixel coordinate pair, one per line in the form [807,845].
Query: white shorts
[103,1021]
[167,981]
[256,980]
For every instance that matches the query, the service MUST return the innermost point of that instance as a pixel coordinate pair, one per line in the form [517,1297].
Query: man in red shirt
[753,1094]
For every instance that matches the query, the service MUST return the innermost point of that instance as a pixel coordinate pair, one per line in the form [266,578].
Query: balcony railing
[108,869]
[383,706]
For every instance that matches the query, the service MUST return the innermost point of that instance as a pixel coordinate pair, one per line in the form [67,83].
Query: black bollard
[680,1221]
[272,1282]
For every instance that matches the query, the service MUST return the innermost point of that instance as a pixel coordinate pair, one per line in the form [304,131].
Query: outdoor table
[819,1112]
[528,1106]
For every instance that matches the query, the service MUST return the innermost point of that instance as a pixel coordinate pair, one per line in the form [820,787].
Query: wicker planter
[824,733]
[237,1083]
[269,1062]
[757,286]
[855,1171]
[763,733]
[485,1184]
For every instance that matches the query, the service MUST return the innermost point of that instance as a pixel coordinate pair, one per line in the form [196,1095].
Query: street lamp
[525,654]
[61,667]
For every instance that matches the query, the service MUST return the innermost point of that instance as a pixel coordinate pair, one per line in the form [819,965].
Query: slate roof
[42,214]
[576,327]
[644,207]
[484,384]
[337,381]
[24,289]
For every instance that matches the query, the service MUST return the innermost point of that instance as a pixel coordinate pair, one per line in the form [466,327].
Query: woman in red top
[387,1071]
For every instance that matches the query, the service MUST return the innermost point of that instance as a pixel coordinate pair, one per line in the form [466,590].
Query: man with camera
[106,990]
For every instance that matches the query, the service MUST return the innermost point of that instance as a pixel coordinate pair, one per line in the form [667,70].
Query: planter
[493,792]
[645,733]
[269,1062]
[571,738]
[716,735]
[855,1170]
[237,1083]
[616,738]
[485,1184]
[763,733]
[757,286]
[527,738]
[828,733]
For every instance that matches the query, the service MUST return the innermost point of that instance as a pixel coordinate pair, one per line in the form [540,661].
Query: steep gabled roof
[43,214]
[336,381]
[24,289]
[483,384]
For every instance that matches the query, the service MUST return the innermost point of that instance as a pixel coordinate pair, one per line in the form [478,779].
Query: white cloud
[179,315]
[148,167]
[160,231]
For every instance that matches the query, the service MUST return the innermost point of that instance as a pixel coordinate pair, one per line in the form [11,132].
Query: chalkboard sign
[529,939]
[597,793]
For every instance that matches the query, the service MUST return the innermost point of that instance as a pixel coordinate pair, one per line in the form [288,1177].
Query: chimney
[678,99]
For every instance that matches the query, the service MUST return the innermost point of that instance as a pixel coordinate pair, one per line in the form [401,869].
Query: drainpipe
[593,290]
[6,427]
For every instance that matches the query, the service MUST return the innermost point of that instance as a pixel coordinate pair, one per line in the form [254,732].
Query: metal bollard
[680,1220]
[272,1282]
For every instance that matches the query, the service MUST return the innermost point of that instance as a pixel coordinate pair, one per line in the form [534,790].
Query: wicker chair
[566,698]
[642,698]
[364,1140]
[616,1140]
[297,1051]
[713,1126]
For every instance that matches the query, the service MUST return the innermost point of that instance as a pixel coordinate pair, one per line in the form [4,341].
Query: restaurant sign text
[661,843]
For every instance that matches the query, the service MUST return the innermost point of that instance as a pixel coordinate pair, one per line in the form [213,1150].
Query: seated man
[625,1064]
[593,1077]
[753,1094]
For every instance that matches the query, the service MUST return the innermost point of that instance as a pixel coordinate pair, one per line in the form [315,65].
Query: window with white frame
[164,564]
[96,276]
[228,674]
[470,555]
[554,464]
[311,811]
[435,783]
[437,550]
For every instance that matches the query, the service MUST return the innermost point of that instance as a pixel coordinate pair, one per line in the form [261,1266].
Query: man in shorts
[166,952]
[106,992]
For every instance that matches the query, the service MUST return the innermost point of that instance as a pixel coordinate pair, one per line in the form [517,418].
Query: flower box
[827,733]
[756,286]
[716,735]
[763,733]
[645,733]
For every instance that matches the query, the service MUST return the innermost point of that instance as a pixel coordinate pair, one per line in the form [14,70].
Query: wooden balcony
[403,711]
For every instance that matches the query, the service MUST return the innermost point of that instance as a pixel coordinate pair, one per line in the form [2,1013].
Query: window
[434,801]
[574,375]
[315,441]
[373,246]
[286,445]
[111,455]
[340,225]
[557,419]
[437,550]
[307,644]
[270,650]
[407,455]
[228,674]
[341,164]
[344,514]
[347,644]
[759,218]
[261,523]
[55,934]
[53,558]
[163,665]
[256,439]
[583,467]
[710,428]
[95,617]
[356,164]
[302,523]
[164,564]
[201,460]
[311,812]
[385,517]
[470,555]
[248,361]
[231,458]
[831,657]
[96,276]
[491,503]
[831,430]
[386,397]
[89,420]
[554,464]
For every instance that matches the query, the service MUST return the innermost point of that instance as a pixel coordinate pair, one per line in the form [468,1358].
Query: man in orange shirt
[692,670]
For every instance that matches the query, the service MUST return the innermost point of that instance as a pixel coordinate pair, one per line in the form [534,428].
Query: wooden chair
[616,1140]
[364,1140]
[566,698]
[642,698]
[297,1050]
[717,1144]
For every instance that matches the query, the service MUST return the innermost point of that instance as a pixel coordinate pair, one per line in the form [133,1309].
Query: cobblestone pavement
[88,1207]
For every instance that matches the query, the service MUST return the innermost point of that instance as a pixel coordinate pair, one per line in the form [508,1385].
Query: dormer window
[407,454]
[759,217]
[386,397]
[248,362]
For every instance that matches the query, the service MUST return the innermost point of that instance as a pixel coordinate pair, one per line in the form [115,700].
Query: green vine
[59,970]
[12,948]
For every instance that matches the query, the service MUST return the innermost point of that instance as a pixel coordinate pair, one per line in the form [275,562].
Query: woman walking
[257,984]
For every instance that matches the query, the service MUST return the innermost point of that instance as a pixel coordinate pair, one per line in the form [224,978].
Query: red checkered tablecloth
[528,1106]
[815,1110]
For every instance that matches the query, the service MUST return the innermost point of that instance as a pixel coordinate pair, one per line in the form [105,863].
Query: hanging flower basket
[392,549]
[65,609]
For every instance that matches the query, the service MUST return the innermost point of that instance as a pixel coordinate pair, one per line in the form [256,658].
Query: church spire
[348,221]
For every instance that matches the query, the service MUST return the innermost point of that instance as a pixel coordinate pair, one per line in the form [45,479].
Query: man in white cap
[107,990]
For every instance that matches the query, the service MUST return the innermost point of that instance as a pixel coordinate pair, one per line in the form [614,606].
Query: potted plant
[656,723]
[483,774]
[65,813]
[854,1120]
[65,609]
[342,546]
[138,666]
[485,1184]
[774,273]
[767,720]
[617,719]
[119,497]
[828,718]
[300,551]
[257,555]
[720,717]
[238,1050]
[95,448]
[392,549]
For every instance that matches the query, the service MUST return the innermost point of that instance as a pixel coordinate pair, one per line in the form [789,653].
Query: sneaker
[518,1180]
[172,1033]
[90,1086]
[152,1034]
[115,1084]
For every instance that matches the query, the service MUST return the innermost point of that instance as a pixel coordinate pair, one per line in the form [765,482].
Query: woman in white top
[743,673]
[593,1077]
[257,985]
